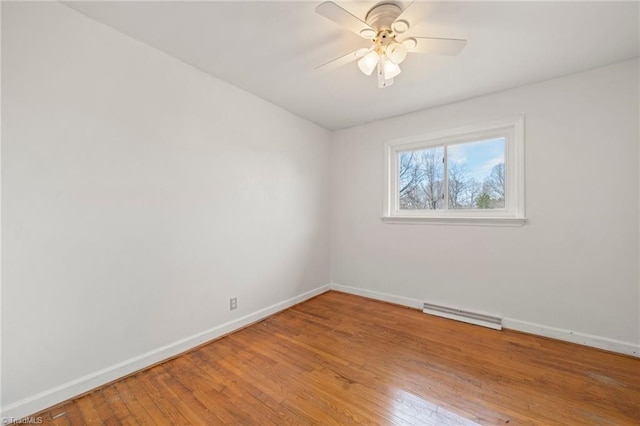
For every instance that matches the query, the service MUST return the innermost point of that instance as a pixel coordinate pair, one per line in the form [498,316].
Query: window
[471,175]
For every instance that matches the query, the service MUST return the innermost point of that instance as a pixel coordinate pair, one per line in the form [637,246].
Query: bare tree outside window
[495,185]
[421,179]
[410,176]
[433,183]
[459,184]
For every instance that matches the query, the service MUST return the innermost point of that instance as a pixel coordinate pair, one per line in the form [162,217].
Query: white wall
[139,195]
[574,267]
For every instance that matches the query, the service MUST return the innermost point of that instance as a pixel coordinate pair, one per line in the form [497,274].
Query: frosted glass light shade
[390,69]
[396,52]
[368,63]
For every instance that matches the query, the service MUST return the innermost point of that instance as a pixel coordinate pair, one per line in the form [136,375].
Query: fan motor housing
[381,16]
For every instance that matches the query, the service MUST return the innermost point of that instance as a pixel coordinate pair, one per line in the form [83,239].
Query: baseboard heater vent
[464,316]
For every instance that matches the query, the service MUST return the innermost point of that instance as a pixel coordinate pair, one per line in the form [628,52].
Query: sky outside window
[480,157]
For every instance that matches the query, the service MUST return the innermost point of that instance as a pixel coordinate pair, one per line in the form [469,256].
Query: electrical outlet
[233,303]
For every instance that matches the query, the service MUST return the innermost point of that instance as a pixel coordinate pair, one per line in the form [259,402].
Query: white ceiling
[270,48]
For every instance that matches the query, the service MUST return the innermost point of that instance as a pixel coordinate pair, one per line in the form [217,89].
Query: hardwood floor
[343,359]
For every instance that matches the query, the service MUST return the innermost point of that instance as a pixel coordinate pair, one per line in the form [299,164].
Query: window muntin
[483,166]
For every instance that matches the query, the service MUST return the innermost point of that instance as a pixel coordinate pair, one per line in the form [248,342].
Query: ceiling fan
[386,25]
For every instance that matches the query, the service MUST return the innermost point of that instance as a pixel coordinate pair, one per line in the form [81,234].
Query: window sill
[465,221]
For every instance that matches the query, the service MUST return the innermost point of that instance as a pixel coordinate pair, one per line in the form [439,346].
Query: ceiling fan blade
[340,16]
[343,60]
[438,46]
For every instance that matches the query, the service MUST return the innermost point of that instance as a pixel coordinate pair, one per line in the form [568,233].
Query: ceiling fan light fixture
[385,25]
[368,63]
[400,26]
[396,52]
[389,69]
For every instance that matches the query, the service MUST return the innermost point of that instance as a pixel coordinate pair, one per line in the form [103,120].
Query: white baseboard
[385,297]
[626,348]
[58,394]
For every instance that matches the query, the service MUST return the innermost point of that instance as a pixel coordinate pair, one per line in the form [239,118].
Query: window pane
[476,174]
[421,179]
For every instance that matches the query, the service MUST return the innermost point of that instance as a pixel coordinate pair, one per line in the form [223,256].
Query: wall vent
[464,316]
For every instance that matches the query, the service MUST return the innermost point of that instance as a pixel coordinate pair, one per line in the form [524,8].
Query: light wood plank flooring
[343,359]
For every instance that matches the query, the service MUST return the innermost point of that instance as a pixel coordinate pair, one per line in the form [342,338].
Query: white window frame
[513,214]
